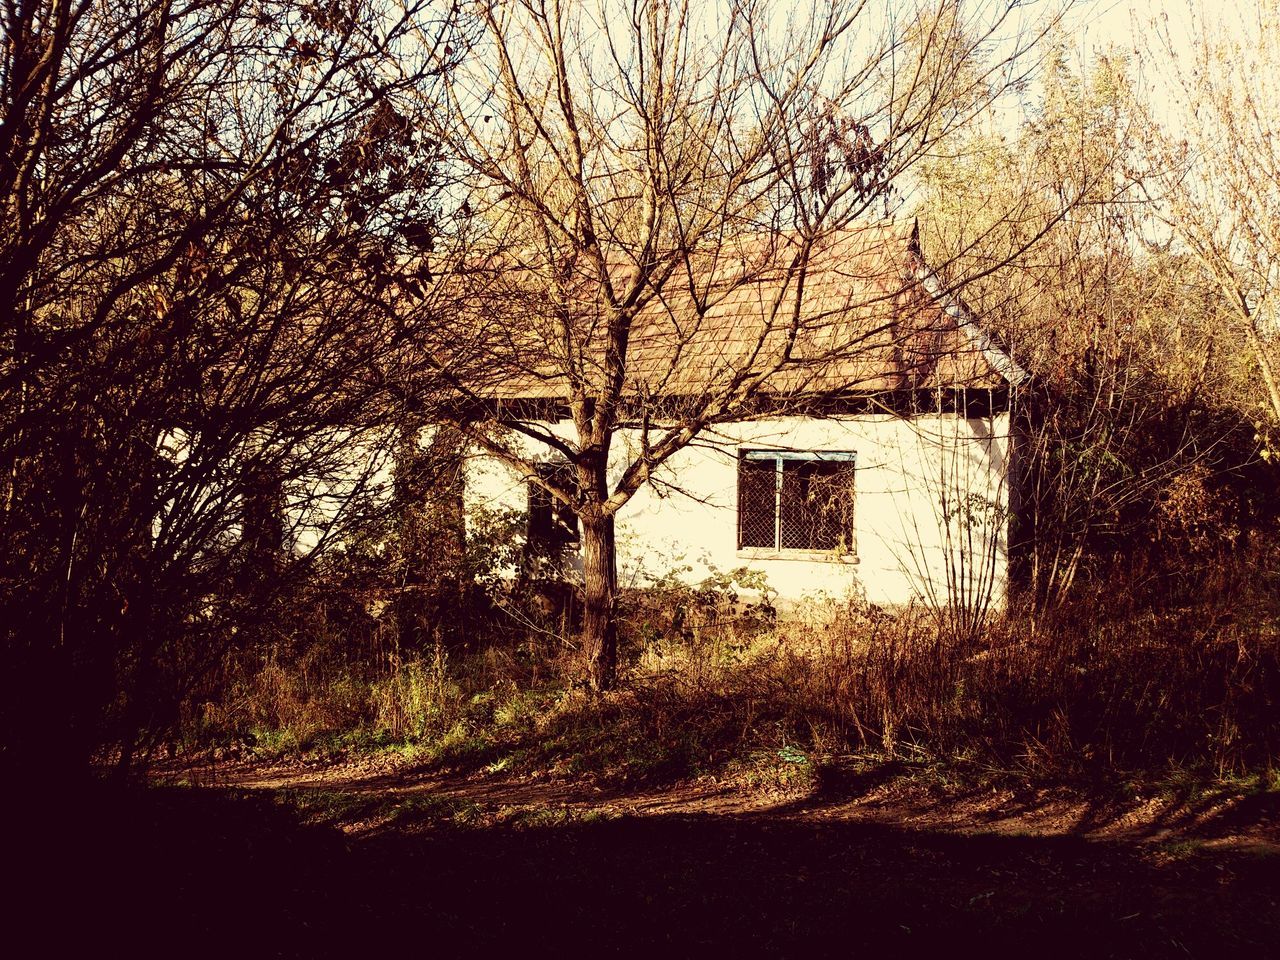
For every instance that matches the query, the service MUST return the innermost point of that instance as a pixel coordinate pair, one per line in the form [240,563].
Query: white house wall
[931,499]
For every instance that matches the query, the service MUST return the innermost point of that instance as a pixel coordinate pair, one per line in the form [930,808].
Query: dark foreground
[207,872]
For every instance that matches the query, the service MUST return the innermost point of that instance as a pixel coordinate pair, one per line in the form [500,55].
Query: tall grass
[1101,685]
[1071,694]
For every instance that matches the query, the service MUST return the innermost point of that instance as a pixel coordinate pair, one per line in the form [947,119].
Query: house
[861,451]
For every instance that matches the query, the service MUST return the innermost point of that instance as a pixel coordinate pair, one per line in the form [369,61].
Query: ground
[373,854]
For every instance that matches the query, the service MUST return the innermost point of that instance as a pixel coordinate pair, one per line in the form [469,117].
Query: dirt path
[888,794]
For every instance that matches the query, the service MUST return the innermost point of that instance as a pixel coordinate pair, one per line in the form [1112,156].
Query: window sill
[813,556]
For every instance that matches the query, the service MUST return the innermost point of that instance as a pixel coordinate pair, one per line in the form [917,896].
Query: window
[551,522]
[795,501]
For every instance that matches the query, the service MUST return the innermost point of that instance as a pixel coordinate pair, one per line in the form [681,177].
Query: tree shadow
[1215,815]
[206,872]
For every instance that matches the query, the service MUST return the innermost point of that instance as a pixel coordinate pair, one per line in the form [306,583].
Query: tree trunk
[600,583]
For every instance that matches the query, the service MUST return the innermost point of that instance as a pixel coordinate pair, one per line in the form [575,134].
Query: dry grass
[1072,695]
[1081,694]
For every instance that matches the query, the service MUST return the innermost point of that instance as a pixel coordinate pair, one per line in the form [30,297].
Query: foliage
[224,522]
[1216,170]
[211,318]
[1101,689]
[1138,410]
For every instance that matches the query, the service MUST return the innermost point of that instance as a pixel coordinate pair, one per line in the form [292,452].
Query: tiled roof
[861,313]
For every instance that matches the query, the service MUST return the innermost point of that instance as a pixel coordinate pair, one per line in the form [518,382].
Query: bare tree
[204,323]
[1220,189]
[636,175]
[1132,389]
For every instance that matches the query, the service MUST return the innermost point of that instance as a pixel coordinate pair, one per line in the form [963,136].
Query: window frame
[777,551]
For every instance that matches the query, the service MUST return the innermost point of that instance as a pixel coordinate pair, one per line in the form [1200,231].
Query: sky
[1133,27]
[1099,23]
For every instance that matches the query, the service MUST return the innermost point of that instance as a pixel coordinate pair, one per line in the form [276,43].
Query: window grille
[757,503]
[795,500]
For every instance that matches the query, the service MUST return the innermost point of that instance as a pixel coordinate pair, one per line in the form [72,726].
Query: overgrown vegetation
[1100,688]
[227,524]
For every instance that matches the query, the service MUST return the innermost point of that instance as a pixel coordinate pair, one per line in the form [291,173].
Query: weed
[1179,849]
[785,771]
[1088,693]
[542,817]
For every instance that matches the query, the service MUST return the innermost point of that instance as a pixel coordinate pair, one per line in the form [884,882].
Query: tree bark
[600,594]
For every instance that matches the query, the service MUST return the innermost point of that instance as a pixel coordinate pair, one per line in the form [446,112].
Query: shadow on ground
[198,872]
